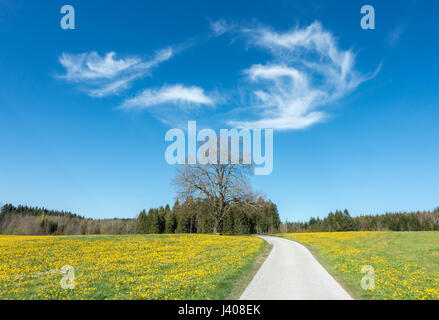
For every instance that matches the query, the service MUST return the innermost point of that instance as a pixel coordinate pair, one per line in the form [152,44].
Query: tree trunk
[218,217]
[216,226]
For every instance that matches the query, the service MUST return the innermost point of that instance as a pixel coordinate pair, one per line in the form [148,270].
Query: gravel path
[290,272]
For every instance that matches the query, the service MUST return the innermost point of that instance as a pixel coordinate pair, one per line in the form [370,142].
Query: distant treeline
[342,221]
[24,220]
[35,211]
[190,217]
[193,216]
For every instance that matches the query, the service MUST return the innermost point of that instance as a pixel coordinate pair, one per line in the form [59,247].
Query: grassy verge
[405,264]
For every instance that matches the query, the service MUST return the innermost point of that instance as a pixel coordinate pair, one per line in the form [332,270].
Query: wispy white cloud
[106,75]
[177,95]
[307,72]
[112,87]
[219,27]
[394,36]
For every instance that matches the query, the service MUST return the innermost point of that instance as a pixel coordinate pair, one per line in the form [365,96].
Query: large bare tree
[220,185]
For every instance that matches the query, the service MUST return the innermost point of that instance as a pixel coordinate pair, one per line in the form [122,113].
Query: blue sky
[84,112]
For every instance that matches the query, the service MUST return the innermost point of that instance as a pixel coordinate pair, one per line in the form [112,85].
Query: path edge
[244,280]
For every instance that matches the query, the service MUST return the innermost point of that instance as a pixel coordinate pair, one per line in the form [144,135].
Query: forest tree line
[342,221]
[190,217]
[193,216]
[24,220]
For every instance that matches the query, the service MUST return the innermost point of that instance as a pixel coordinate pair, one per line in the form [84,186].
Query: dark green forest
[193,216]
[342,221]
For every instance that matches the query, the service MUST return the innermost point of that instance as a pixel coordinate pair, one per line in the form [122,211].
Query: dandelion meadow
[124,267]
[406,264]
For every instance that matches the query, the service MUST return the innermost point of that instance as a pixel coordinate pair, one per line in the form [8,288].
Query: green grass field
[127,267]
[406,264]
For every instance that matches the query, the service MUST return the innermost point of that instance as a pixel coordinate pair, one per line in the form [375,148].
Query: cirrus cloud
[177,94]
[307,72]
[105,75]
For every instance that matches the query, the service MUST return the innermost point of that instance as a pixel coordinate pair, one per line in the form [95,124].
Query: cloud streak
[307,72]
[105,75]
[177,94]
[394,36]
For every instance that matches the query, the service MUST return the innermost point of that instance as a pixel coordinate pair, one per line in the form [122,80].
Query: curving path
[290,272]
